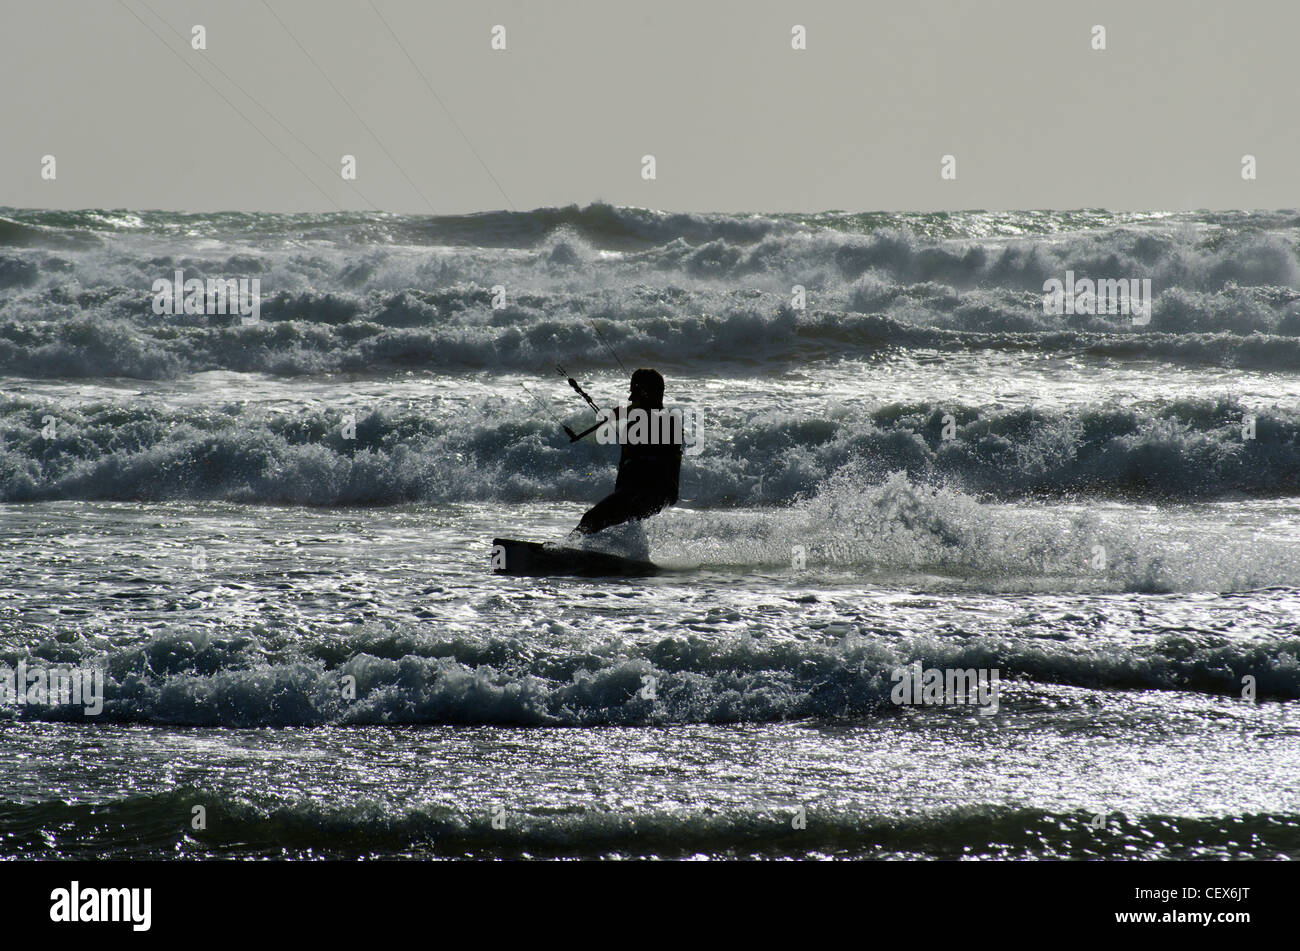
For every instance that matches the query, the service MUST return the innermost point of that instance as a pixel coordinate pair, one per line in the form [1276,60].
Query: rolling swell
[158,825]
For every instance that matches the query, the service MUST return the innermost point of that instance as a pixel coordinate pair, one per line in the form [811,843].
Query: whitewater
[273,538]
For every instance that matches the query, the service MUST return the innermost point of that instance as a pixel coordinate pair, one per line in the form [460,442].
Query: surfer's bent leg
[618,507]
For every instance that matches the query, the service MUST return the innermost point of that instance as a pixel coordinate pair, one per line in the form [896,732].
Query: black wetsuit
[648,476]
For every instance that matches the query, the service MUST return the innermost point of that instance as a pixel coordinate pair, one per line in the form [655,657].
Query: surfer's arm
[604,419]
[574,437]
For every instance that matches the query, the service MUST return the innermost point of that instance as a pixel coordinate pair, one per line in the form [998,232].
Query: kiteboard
[513,557]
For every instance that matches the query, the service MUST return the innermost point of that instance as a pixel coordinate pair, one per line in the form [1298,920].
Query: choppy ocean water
[272,539]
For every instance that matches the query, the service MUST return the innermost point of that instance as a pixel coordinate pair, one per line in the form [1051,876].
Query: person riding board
[649,465]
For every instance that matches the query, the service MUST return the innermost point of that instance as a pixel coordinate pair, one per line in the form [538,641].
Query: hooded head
[647,389]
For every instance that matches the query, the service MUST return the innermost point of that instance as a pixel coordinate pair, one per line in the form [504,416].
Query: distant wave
[1190,449]
[377,293]
[606,226]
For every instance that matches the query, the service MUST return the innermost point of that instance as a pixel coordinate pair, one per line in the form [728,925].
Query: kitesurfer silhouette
[650,457]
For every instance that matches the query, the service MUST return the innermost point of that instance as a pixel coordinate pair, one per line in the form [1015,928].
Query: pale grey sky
[736,119]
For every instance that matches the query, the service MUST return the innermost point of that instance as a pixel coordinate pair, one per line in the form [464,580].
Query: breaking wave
[385,673]
[1187,450]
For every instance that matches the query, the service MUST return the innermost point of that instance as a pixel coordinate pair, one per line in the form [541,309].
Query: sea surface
[272,539]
